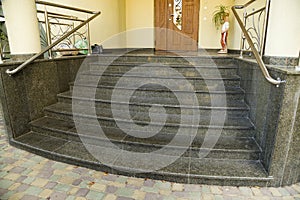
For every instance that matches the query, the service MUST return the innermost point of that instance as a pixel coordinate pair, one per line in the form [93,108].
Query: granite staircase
[96,99]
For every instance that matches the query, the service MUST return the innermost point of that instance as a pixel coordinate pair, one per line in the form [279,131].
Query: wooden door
[168,35]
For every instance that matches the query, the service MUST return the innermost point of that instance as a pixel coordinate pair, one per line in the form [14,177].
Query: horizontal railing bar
[57,14]
[33,58]
[67,18]
[248,3]
[65,7]
[253,13]
[56,23]
[62,50]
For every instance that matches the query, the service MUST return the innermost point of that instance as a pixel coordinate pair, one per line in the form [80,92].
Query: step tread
[156,88]
[231,105]
[173,65]
[245,144]
[147,75]
[184,167]
[65,108]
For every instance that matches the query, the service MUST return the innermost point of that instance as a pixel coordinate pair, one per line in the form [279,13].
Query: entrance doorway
[177,25]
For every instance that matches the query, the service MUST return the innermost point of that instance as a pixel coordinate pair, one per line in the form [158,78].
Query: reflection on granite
[281,61]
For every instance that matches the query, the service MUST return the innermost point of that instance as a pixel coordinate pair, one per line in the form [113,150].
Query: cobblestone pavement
[28,177]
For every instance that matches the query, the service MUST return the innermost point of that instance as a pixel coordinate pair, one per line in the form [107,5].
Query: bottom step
[183,170]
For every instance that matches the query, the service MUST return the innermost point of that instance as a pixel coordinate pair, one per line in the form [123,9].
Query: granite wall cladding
[276,115]
[25,94]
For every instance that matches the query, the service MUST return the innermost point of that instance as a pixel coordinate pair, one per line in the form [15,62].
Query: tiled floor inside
[27,176]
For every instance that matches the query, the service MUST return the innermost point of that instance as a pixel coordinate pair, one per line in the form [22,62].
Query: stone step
[85,114]
[176,81]
[164,96]
[157,69]
[135,105]
[225,148]
[205,60]
[183,169]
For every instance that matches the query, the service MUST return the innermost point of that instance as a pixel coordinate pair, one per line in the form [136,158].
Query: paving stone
[246,191]
[138,194]
[110,197]
[151,196]
[5,184]
[94,195]
[14,186]
[17,169]
[125,192]
[22,188]
[32,190]
[149,183]
[16,196]
[110,177]
[45,193]
[39,182]
[82,192]
[192,188]
[283,192]
[50,185]
[124,198]
[177,187]
[98,187]
[58,195]
[275,192]
[7,194]
[111,189]
[215,190]
[29,197]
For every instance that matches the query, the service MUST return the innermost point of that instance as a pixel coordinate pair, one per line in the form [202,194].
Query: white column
[283,37]
[22,26]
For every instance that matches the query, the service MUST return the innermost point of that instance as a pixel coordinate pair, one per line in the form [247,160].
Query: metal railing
[63,37]
[252,45]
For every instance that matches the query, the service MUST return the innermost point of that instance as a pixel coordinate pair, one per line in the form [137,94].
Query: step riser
[207,61]
[197,84]
[185,71]
[134,109]
[167,129]
[157,118]
[135,147]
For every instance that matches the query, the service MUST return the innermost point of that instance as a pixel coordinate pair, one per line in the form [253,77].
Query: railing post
[243,36]
[88,39]
[48,32]
[265,27]
[1,52]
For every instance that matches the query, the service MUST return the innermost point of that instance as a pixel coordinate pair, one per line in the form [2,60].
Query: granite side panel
[264,100]
[285,157]
[42,86]
[14,103]
[25,94]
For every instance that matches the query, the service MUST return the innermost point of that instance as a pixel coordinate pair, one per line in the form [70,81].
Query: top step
[167,59]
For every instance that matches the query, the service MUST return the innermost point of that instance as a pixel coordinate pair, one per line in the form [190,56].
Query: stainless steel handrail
[30,60]
[251,44]
[65,7]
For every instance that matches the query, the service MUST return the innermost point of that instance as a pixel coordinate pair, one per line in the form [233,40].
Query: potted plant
[218,15]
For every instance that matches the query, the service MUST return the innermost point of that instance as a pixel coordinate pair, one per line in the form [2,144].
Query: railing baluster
[59,40]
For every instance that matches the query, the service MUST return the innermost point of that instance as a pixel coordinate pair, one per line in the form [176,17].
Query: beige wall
[209,36]
[140,23]
[284,29]
[109,23]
